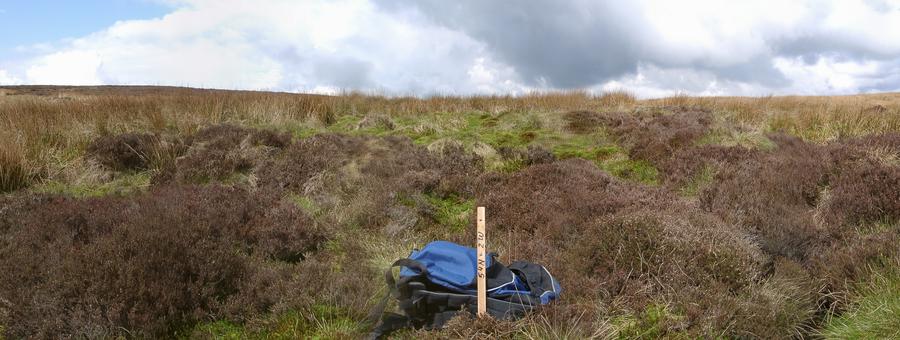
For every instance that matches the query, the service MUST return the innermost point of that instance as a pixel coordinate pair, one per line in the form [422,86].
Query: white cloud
[8,79]
[72,67]
[651,81]
[652,47]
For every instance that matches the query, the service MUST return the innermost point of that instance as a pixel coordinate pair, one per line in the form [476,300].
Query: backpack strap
[399,290]
[389,323]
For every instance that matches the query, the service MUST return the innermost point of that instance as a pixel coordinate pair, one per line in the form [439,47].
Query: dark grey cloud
[575,44]
[564,45]
[344,73]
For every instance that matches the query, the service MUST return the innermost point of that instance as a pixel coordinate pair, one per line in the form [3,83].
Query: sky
[651,48]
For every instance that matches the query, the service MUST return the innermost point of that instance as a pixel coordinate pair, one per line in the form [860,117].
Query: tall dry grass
[41,134]
[818,118]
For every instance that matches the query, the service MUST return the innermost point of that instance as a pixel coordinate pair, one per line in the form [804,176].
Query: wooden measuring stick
[482,263]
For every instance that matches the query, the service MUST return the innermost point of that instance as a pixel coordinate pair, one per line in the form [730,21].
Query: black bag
[438,282]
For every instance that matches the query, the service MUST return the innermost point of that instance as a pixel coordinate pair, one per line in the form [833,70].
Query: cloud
[582,43]
[8,79]
[651,47]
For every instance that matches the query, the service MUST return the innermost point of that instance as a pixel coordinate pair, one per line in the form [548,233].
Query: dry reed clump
[135,152]
[124,152]
[14,170]
[217,152]
[149,264]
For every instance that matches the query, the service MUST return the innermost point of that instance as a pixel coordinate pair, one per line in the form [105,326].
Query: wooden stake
[481,247]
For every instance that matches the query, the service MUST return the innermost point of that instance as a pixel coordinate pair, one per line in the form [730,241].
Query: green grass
[727,137]
[649,324]
[698,182]
[485,133]
[307,204]
[875,313]
[318,322]
[632,170]
[453,212]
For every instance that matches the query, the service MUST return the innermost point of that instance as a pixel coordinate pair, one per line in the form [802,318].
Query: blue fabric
[454,267]
[551,295]
[449,264]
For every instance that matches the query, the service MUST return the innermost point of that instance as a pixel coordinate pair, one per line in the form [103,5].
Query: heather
[197,213]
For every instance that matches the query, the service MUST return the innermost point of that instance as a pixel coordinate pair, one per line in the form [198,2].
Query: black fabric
[393,286]
[428,305]
[497,273]
[390,323]
[534,275]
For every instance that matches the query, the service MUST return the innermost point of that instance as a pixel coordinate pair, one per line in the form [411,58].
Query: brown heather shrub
[655,135]
[637,252]
[465,326]
[124,152]
[376,121]
[832,209]
[583,121]
[148,265]
[867,193]
[555,199]
[366,180]
[532,155]
[841,263]
[539,155]
[783,305]
[886,141]
[687,163]
[217,152]
[626,247]
[136,152]
[860,213]
[773,196]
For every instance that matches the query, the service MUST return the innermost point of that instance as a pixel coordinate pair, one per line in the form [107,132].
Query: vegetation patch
[452,212]
[245,215]
[121,184]
[316,322]
[637,171]
[699,181]
[875,312]
[652,323]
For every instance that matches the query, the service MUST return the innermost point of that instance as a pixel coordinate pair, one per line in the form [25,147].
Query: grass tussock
[142,212]
[875,314]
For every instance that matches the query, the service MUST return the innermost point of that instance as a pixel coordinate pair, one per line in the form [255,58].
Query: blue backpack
[438,282]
